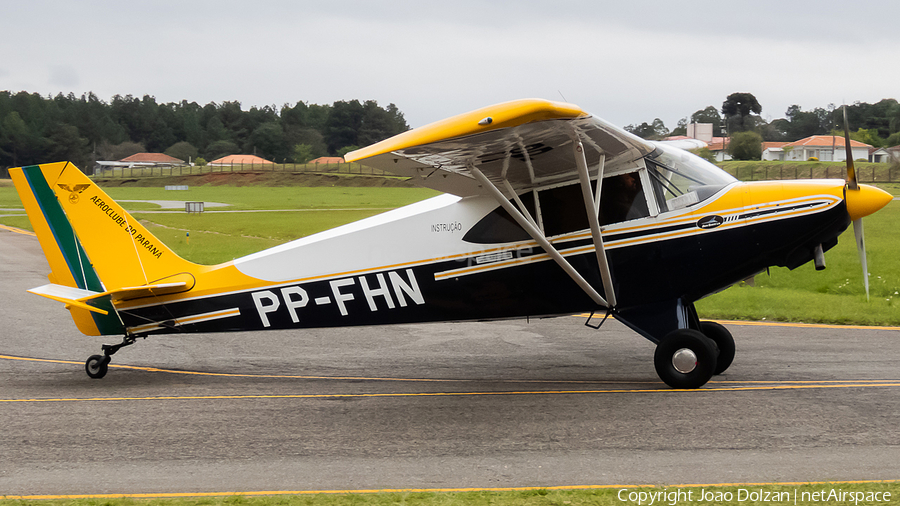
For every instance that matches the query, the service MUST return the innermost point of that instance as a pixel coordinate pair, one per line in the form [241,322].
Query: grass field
[216,238]
[690,495]
[762,171]
[835,295]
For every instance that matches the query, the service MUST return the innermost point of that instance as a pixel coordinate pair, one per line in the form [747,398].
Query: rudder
[91,242]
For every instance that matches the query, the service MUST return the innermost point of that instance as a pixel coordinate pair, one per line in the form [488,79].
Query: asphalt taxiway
[502,404]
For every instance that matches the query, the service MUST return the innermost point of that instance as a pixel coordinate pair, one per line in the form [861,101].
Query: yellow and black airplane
[547,211]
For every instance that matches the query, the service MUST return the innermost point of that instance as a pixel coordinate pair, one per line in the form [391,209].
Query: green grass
[9,199]
[615,495]
[892,188]
[18,221]
[835,295]
[219,237]
[261,197]
[761,171]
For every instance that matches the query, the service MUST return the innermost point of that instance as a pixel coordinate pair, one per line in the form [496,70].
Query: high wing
[528,143]
[507,149]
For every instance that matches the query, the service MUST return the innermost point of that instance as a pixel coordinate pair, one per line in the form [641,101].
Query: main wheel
[96,366]
[685,358]
[724,341]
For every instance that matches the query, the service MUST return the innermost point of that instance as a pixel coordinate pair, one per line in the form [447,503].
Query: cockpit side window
[562,210]
[681,179]
[622,199]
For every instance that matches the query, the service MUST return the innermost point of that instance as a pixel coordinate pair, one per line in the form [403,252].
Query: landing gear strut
[96,366]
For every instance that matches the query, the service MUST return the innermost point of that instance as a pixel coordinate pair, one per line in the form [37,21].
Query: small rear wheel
[724,341]
[685,358]
[96,366]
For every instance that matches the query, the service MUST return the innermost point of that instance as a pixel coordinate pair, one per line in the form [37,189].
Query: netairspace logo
[685,496]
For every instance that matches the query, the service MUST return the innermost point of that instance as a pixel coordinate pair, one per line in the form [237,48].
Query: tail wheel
[724,341]
[685,358]
[96,366]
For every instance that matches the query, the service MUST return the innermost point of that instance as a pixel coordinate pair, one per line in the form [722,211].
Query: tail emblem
[73,192]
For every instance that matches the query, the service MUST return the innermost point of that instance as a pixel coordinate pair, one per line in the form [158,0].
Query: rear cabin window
[562,210]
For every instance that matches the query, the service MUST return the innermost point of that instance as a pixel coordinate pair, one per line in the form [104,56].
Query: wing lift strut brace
[592,207]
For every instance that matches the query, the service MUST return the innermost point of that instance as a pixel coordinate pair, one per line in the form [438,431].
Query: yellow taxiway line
[486,393]
[18,230]
[746,384]
[805,325]
[599,315]
[440,490]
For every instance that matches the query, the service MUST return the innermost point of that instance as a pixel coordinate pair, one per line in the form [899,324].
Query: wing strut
[592,208]
[527,224]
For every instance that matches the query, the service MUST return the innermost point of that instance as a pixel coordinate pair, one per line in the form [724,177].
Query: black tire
[681,343]
[724,341]
[96,366]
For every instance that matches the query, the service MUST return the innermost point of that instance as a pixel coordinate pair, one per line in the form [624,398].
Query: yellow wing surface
[526,142]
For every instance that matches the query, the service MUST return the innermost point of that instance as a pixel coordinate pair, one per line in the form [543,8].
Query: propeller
[853,186]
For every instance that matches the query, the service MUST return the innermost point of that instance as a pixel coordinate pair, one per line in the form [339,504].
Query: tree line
[36,129]
[739,117]
[82,129]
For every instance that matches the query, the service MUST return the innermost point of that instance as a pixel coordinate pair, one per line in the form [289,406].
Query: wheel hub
[684,360]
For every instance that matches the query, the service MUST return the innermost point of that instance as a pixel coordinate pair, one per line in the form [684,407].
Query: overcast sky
[627,61]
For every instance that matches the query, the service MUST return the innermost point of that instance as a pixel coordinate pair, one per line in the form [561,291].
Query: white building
[773,151]
[879,155]
[826,148]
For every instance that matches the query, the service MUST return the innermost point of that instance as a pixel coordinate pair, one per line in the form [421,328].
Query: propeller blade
[861,248]
[852,181]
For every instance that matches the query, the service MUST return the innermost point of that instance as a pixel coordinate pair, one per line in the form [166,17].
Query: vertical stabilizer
[91,242]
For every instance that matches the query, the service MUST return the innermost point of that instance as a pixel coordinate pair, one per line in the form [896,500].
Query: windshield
[683,179]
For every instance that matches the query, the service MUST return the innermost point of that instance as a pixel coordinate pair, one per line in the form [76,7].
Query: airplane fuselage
[658,263]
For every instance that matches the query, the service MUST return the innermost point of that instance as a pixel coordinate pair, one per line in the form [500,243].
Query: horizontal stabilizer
[78,297]
[69,295]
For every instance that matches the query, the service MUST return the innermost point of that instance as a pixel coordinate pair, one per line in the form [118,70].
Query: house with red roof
[327,160]
[139,160]
[240,160]
[826,148]
[718,147]
[152,159]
